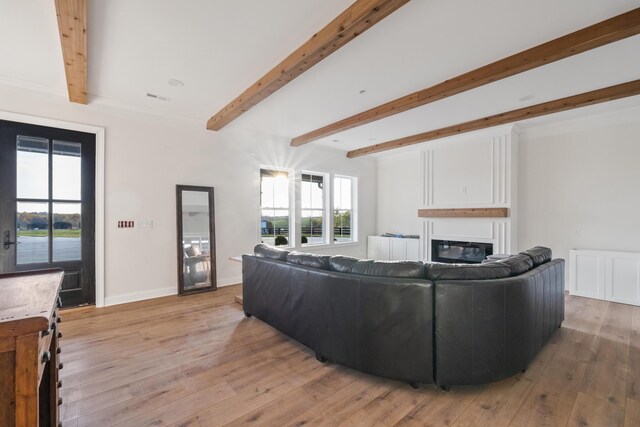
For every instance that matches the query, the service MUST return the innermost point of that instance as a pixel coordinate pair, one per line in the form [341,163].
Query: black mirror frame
[212,239]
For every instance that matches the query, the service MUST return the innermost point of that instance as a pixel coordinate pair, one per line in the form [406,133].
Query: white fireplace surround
[474,171]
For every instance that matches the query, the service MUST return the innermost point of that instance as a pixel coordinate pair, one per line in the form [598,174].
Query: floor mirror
[196,239]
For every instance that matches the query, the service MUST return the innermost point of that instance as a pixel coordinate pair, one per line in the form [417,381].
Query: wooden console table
[29,348]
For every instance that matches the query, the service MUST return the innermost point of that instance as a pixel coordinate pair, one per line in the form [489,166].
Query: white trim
[100,173]
[140,296]
[99,213]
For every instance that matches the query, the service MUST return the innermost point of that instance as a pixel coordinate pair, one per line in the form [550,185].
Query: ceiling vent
[158,97]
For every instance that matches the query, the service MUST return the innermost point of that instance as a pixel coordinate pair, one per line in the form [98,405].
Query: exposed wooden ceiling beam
[600,34]
[610,93]
[359,17]
[72,25]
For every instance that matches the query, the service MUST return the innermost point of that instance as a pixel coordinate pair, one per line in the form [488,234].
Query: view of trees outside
[279,226]
[35,224]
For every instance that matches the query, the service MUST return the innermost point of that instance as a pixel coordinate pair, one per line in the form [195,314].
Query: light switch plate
[144,223]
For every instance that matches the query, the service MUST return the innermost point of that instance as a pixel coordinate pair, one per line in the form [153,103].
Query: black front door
[47,205]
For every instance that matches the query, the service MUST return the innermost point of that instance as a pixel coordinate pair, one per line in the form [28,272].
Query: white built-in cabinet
[606,275]
[393,248]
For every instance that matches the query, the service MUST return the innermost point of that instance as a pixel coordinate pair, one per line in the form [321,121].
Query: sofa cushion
[489,270]
[400,269]
[341,263]
[539,255]
[518,264]
[309,260]
[265,251]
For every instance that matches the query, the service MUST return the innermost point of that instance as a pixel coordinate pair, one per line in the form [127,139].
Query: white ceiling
[219,47]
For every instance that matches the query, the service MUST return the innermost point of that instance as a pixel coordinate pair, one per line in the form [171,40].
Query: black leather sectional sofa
[447,324]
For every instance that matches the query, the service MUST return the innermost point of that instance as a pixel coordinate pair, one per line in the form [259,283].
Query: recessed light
[362,92]
[175,83]
[526,98]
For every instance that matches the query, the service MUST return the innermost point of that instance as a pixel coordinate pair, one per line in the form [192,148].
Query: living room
[547,143]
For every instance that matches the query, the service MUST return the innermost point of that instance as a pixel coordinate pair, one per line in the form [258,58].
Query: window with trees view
[313,231]
[343,209]
[275,210]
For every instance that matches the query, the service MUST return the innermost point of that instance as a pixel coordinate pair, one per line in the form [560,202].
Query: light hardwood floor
[196,361]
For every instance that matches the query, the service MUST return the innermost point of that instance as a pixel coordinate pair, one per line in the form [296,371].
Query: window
[313,231]
[344,227]
[275,212]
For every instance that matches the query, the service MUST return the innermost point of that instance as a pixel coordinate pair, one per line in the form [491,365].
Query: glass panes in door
[32,162]
[67,173]
[32,224]
[67,230]
[48,200]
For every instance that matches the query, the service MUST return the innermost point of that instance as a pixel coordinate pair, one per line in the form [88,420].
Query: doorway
[47,205]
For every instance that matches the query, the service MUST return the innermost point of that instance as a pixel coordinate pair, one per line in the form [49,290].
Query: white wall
[399,193]
[580,184]
[146,156]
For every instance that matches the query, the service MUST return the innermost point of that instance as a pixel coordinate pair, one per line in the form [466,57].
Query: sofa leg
[247,314]
[414,386]
[445,388]
[320,358]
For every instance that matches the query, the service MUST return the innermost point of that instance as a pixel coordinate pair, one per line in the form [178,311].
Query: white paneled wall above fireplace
[475,171]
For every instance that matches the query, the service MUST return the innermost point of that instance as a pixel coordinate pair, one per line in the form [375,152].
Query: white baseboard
[229,281]
[141,295]
[161,292]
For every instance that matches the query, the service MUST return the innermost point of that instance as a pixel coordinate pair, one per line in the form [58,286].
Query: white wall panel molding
[605,275]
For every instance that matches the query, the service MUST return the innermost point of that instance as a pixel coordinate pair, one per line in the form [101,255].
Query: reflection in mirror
[196,241]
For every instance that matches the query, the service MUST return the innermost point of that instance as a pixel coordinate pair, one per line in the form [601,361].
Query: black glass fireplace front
[460,252]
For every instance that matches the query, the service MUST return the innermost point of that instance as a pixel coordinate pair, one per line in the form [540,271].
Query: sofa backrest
[512,266]
[309,260]
[442,271]
[263,250]
[518,264]
[539,255]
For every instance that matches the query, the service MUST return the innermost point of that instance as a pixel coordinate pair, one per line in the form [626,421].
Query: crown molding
[584,123]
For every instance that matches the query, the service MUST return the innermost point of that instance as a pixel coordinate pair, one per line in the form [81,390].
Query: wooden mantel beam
[359,17]
[610,93]
[600,34]
[72,25]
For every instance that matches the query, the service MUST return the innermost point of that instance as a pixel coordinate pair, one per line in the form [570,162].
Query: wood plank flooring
[197,361]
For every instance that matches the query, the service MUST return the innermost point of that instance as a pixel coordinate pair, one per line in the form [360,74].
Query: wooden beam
[464,213]
[600,34]
[359,17]
[610,93]
[72,25]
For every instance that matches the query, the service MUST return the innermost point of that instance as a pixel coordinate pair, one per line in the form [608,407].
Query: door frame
[99,132]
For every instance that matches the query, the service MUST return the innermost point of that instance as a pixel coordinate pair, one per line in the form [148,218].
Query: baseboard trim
[229,281]
[139,296]
[161,292]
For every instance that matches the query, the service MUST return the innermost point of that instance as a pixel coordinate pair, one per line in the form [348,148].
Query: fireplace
[460,252]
